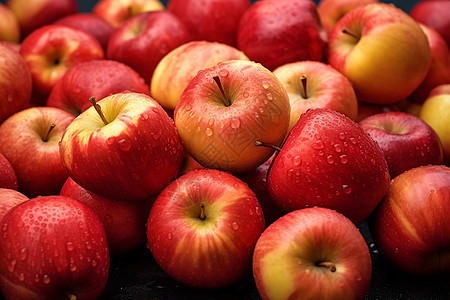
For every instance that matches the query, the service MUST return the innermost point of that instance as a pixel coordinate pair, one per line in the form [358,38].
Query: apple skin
[53,247]
[94,78]
[124,221]
[223,136]
[331,162]
[130,159]
[33,14]
[386,56]
[9,25]
[8,177]
[143,40]
[325,88]
[287,257]
[274,33]
[9,198]
[53,49]
[406,140]
[15,82]
[435,111]
[216,251]
[410,226]
[34,157]
[214,20]
[179,66]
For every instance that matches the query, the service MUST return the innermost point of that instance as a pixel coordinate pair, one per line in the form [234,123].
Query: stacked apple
[234,138]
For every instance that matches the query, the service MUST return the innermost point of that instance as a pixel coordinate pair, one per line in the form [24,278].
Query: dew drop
[124,144]
[246,94]
[94,263]
[188,107]
[337,148]
[72,267]
[110,140]
[23,254]
[396,250]
[347,189]
[297,160]
[258,211]
[342,135]
[352,140]
[235,123]
[235,226]
[208,131]
[21,277]
[36,278]
[88,245]
[266,85]
[223,73]
[12,265]
[343,159]
[318,145]
[46,279]
[330,159]
[69,246]
[211,121]
[269,96]
[108,219]
[169,236]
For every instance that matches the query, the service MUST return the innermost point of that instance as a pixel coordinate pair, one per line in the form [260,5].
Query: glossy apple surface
[8,177]
[9,198]
[9,25]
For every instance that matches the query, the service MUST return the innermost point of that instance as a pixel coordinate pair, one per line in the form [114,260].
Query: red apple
[214,20]
[8,177]
[94,78]
[129,150]
[226,108]
[203,227]
[381,50]
[313,84]
[53,49]
[15,83]
[410,226]
[29,140]
[33,14]
[274,33]
[312,253]
[143,40]
[9,25]
[9,198]
[328,160]
[407,141]
[53,247]
[124,221]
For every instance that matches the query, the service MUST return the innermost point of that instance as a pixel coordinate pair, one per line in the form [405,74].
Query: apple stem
[259,143]
[226,101]
[326,264]
[303,80]
[47,135]
[202,211]
[72,297]
[98,109]
[344,30]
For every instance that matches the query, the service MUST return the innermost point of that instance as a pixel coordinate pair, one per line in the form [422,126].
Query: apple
[439,71]
[435,111]
[116,12]
[203,227]
[410,226]
[314,84]
[9,198]
[179,66]
[214,20]
[33,14]
[15,83]
[331,162]
[274,33]
[331,11]
[435,14]
[8,176]
[53,247]
[407,141]
[29,140]
[125,147]
[381,50]
[97,78]
[226,108]
[144,39]
[312,253]
[90,23]
[51,50]
[124,221]
[9,25]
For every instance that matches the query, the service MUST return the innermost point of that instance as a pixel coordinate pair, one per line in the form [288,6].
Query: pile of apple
[230,137]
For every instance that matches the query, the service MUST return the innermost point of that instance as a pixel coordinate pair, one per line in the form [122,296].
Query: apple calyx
[346,31]
[47,134]
[226,101]
[326,264]
[202,212]
[303,80]
[259,143]
[98,109]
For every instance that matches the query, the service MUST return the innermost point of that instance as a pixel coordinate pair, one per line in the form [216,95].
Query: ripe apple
[116,12]
[381,50]
[15,83]
[97,78]
[312,253]
[53,49]
[179,66]
[9,25]
[9,198]
[226,108]
[90,23]
[29,140]
[203,227]
[53,247]
[410,226]
[124,221]
[313,84]
[125,147]
[8,177]
[330,161]
[214,20]
[274,33]
[144,39]
[435,112]
[407,141]
[435,14]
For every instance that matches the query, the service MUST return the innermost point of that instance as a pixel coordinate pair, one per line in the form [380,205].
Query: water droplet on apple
[347,189]
[352,140]
[269,96]
[211,121]
[94,263]
[108,219]
[208,131]
[46,279]
[318,145]
[69,246]
[297,160]
[21,277]
[396,250]
[124,144]
[246,94]
[235,123]
[266,85]
[23,254]
[337,148]
[235,226]
[72,267]
[9,98]
[223,73]
[343,159]
[330,159]
[110,140]
[341,135]
[258,211]
[12,265]
[169,236]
